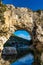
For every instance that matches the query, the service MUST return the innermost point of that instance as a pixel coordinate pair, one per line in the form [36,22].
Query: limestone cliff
[15,18]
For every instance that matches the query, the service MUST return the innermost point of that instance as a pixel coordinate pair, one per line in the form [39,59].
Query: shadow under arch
[13,38]
[20,54]
[32,57]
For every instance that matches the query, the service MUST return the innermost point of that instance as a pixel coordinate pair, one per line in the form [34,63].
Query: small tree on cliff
[2,10]
[1,1]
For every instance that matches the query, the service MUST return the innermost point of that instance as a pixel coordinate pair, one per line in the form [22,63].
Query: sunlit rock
[42,59]
[15,18]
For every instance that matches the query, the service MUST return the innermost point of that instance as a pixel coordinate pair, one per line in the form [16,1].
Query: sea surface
[26,60]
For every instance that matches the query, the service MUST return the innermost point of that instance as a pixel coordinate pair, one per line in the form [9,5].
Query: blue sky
[32,4]
[23,34]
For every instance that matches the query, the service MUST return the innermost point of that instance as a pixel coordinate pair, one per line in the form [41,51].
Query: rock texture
[16,18]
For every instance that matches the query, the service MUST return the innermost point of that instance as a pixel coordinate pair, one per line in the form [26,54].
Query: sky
[32,4]
[23,34]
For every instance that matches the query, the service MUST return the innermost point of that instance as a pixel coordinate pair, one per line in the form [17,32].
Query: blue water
[27,60]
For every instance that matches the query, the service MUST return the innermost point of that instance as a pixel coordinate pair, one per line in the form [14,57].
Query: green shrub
[2,10]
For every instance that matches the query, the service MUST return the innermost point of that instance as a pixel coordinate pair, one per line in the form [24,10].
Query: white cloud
[24,36]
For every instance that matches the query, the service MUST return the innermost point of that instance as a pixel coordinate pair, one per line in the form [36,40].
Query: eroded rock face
[18,18]
[22,18]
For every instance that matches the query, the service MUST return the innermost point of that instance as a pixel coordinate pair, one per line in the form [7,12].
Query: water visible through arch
[22,48]
[26,60]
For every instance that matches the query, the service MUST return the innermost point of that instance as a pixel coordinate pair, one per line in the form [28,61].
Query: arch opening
[19,43]
[23,34]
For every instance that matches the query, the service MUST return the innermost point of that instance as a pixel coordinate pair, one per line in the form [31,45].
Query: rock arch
[15,19]
[22,18]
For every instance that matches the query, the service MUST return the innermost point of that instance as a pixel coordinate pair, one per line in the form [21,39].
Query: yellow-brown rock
[13,19]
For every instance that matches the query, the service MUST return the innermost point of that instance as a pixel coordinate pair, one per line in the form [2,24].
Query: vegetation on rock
[21,18]
[2,10]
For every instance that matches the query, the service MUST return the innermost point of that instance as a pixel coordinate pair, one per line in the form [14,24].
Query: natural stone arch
[21,18]
[22,25]
[13,21]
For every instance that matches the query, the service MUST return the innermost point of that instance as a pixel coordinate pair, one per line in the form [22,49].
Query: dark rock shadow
[16,48]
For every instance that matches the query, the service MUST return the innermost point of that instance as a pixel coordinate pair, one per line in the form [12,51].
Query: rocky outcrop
[16,18]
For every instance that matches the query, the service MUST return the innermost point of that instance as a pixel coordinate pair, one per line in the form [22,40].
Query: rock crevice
[21,18]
